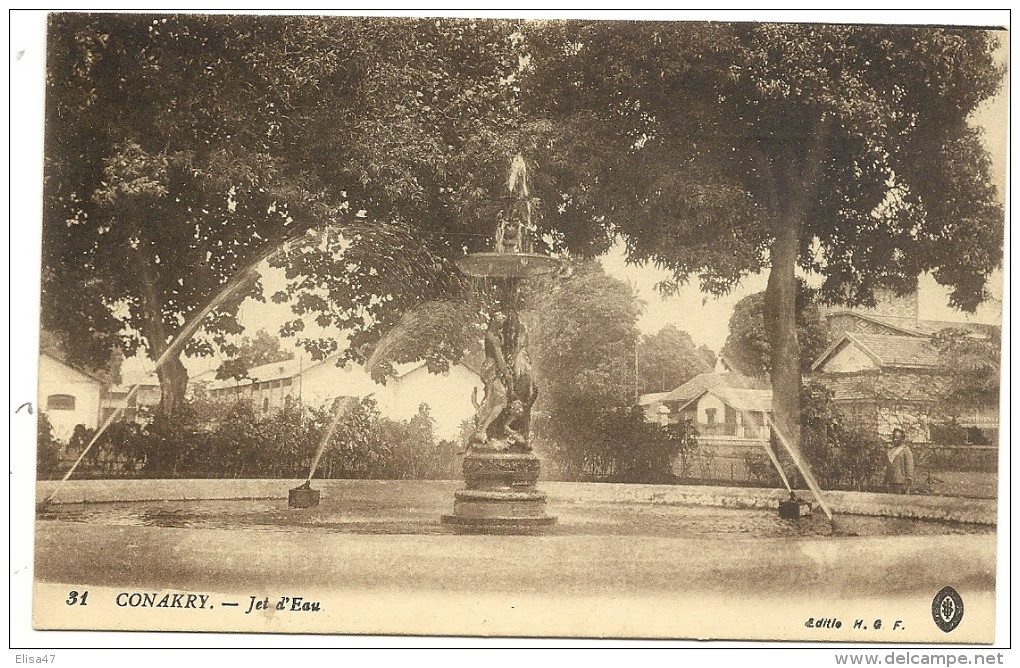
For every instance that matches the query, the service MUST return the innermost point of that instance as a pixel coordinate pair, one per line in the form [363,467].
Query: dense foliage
[47,454]
[747,346]
[216,440]
[839,456]
[181,149]
[263,348]
[719,150]
[969,368]
[625,447]
[669,358]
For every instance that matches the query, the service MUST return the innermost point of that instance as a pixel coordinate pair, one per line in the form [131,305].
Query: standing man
[899,470]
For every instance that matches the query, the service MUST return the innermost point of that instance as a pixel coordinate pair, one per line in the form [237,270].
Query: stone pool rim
[933,508]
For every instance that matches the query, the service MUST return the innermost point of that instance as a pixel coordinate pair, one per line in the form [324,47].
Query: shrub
[682,439]
[839,457]
[47,453]
[624,447]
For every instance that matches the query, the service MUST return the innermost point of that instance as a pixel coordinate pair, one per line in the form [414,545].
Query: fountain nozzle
[303,496]
[794,508]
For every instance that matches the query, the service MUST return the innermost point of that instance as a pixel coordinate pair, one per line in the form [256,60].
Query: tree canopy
[669,358]
[969,370]
[747,346]
[719,150]
[180,149]
[263,348]
[583,333]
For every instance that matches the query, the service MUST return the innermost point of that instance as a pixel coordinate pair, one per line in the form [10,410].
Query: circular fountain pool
[415,508]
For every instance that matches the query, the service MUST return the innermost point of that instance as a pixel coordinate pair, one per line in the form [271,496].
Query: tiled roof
[886,388]
[899,351]
[742,400]
[918,327]
[746,400]
[56,356]
[929,327]
[265,372]
[887,351]
[709,381]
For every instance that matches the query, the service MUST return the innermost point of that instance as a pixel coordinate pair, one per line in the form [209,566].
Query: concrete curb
[939,508]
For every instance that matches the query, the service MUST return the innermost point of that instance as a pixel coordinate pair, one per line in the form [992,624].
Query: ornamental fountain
[500,468]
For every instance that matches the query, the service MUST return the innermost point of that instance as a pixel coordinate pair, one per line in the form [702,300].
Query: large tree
[166,174]
[714,149]
[669,358]
[720,150]
[583,333]
[747,346]
[182,149]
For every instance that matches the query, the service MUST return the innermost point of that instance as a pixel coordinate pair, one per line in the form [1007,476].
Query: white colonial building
[279,385]
[68,396]
[731,413]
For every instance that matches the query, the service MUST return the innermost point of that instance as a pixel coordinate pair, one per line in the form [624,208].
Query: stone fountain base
[500,494]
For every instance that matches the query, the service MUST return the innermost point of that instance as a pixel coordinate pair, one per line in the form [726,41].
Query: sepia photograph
[525,327]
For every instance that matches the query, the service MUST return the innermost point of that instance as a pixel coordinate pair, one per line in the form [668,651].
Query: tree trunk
[791,191]
[173,384]
[173,376]
[780,312]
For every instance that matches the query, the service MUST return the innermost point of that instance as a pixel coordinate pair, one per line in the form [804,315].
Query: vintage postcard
[647,327]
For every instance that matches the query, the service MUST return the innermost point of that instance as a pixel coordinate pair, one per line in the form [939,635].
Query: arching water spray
[234,288]
[795,455]
[809,477]
[340,409]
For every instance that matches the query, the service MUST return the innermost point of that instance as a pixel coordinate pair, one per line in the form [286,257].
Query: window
[60,402]
[265,404]
[286,382]
[710,415]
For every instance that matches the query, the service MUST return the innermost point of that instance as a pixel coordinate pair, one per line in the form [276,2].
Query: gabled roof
[56,357]
[904,326]
[929,327]
[265,372]
[648,399]
[293,368]
[285,369]
[916,327]
[746,400]
[885,351]
[887,389]
[740,399]
[696,386]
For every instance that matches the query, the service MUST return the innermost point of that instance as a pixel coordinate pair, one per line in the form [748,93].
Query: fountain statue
[500,469]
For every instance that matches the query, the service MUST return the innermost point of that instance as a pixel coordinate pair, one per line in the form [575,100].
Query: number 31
[73,598]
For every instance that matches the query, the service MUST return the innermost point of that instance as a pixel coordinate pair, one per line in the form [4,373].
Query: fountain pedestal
[500,470]
[499,494]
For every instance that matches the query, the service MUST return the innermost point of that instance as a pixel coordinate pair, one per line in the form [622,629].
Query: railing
[962,457]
